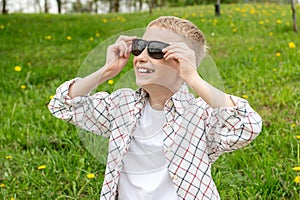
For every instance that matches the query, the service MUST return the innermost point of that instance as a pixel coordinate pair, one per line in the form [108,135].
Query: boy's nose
[144,55]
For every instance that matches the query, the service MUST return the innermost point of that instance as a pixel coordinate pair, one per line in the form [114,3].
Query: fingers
[180,52]
[122,47]
[176,47]
[126,38]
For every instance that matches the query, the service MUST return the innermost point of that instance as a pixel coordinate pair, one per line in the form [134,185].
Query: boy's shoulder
[123,93]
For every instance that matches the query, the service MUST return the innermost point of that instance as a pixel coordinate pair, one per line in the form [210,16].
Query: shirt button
[175,177]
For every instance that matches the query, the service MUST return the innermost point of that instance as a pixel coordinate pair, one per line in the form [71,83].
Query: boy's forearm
[211,95]
[84,85]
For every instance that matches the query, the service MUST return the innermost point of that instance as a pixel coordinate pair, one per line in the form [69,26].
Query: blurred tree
[218,8]
[4,10]
[151,4]
[78,6]
[46,6]
[155,3]
[37,6]
[295,28]
[59,3]
[162,3]
[140,4]
[94,4]
[114,5]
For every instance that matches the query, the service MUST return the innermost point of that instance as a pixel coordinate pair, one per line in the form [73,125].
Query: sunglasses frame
[136,50]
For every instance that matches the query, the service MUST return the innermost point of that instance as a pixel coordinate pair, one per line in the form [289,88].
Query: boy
[162,140]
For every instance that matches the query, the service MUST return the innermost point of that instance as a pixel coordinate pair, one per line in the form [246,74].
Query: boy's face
[157,72]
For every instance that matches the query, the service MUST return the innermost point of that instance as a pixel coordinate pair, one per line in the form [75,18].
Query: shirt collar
[180,99]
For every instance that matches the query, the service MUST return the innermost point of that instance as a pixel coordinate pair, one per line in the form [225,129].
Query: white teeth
[143,70]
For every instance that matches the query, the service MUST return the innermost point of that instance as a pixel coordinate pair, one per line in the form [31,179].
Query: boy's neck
[158,95]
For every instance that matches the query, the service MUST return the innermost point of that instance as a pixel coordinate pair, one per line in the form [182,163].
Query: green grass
[243,44]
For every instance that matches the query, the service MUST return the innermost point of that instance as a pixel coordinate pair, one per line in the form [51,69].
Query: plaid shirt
[195,134]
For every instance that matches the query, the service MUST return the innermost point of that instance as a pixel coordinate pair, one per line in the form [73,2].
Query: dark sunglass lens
[138,46]
[155,49]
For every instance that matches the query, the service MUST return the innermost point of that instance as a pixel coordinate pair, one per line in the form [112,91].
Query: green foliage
[253,46]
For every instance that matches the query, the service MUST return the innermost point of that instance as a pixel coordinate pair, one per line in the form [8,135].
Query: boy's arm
[211,95]
[71,102]
[188,71]
[231,122]
[116,58]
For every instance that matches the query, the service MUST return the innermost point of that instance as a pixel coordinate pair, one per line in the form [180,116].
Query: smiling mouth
[145,70]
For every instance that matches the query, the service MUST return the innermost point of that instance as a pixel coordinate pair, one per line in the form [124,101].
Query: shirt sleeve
[90,112]
[231,128]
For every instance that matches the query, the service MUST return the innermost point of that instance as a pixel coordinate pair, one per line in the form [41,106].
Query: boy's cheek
[173,64]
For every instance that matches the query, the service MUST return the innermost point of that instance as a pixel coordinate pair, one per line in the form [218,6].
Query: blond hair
[195,38]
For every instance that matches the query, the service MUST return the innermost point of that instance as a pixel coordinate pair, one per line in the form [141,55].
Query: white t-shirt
[145,174]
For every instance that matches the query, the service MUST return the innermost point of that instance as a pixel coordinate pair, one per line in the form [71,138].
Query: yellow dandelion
[2,185]
[296,168]
[8,157]
[69,37]
[278,21]
[90,175]
[110,82]
[12,198]
[234,30]
[2,26]
[271,34]
[91,39]
[245,96]
[297,179]
[261,22]
[250,48]
[23,87]
[18,68]
[292,45]
[298,137]
[274,70]
[42,167]
[51,97]
[97,34]
[48,37]
[185,16]
[104,20]
[123,19]
[252,11]
[278,54]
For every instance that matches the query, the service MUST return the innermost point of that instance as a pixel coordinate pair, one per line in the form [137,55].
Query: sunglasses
[154,48]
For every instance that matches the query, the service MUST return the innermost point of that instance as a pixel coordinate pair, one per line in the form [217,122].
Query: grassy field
[253,46]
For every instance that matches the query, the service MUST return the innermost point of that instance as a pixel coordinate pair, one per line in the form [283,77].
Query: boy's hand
[117,56]
[185,57]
